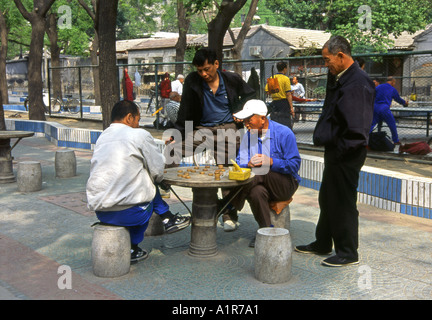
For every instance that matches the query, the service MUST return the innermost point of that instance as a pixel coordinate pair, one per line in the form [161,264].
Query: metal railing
[412,71]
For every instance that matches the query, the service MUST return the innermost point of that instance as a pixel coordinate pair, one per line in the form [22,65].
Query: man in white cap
[270,150]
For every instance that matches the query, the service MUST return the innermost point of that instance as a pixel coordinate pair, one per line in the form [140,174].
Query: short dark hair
[122,108]
[203,55]
[281,65]
[338,44]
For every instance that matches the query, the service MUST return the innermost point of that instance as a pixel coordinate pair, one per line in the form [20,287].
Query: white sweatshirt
[120,166]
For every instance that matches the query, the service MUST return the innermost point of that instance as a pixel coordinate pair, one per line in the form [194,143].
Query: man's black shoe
[335,261]
[176,223]
[309,249]
[138,254]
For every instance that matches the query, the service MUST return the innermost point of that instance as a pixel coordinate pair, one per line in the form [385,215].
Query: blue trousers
[136,218]
[383,113]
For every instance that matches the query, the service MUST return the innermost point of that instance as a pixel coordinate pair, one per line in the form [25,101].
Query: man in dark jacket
[205,117]
[343,130]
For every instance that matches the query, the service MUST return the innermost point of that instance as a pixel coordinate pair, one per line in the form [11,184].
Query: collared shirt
[278,143]
[340,74]
[216,109]
[284,85]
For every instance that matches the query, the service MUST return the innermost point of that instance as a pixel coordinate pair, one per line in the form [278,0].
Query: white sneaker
[230,225]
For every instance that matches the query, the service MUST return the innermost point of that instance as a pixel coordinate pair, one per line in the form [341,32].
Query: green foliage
[343,17]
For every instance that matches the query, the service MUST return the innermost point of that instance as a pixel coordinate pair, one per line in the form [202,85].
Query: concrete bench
[65,163]
[280,214]
[155,226]
[111,251]
[29,176]
[273,255]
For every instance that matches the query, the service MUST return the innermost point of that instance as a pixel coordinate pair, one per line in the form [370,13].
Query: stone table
[6,168]
[204,186]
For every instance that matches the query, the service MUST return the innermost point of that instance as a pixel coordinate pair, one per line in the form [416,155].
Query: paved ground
[46,236]
[44,230]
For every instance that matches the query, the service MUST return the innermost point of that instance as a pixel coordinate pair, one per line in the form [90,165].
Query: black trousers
[338,220]
[281,112]
[272,186]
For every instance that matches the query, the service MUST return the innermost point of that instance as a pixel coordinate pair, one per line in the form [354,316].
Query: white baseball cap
[252,107]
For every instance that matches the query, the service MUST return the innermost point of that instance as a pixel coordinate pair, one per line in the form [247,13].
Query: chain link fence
[412,71]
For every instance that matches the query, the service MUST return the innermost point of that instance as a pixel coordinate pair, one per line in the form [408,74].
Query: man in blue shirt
[270,150]
[204,120]
[385,93]
[209,99]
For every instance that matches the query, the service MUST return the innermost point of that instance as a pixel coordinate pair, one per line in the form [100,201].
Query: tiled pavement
[44,233]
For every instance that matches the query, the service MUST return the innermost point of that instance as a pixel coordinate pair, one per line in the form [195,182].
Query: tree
[108,72]
[37,19]
[368,25]
[94,48]
[52,32]
[183,26]
[238,42]
[220,23]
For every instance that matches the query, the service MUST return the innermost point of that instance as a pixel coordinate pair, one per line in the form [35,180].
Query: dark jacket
[192,101]
[347,114]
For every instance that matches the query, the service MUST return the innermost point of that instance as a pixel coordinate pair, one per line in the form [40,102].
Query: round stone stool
[65,163]
[281,220]
[29,176]
[111,251]
[273,255]
[155,226]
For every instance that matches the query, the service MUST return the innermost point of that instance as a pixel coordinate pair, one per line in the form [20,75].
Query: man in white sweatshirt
[126,169]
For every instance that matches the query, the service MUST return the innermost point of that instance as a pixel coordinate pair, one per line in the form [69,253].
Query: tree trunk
[3,54]
[94,48]
[108,73]
[2,118]
[238,43]
[183,25]
[35,83]
[95,70]
[218,27]
[37,20]
[52,33]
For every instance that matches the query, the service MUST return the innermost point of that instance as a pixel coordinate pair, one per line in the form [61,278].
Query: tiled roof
[294,37]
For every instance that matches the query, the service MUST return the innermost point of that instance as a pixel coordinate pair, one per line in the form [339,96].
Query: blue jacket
[385,93]
[347,114]
[279,144]
[192,102]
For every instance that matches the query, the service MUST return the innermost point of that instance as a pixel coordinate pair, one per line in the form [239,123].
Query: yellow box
[239,175]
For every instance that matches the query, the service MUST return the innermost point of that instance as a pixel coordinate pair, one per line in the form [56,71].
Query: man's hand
[164,186]
[170,140]
[259,160]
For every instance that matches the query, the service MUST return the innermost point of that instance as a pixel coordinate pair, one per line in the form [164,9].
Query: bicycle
[45,99]
[151,105]
[71,105]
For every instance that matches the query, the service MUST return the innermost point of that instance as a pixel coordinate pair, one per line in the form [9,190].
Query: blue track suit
[385,93]
[136,218]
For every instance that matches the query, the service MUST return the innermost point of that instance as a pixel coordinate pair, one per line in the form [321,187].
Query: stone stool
[65,163]
[29,176]
[111,251]
[280,216]
[273,255]
[155,226]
